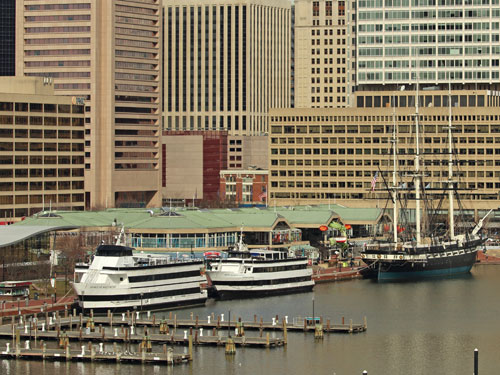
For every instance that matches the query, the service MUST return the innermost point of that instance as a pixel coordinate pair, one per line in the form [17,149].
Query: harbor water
[423,327]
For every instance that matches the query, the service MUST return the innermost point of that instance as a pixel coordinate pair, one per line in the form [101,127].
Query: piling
[476,361]
[318,331]
[190,346]
[285,334]
[230,347]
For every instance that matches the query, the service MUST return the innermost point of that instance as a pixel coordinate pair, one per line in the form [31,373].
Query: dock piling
[190,346]
[476,361]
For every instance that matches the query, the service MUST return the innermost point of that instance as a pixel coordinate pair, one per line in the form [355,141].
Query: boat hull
[160,305]
[405,269]
[226,294]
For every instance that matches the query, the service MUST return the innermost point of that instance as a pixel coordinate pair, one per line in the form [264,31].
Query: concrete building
[245,152]
[106,54]
[192,161]
[332,155]
[324,54]
[41,149]
[225,64]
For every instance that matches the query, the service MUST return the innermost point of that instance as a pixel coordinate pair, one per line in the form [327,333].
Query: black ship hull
[243,294]
[401,267]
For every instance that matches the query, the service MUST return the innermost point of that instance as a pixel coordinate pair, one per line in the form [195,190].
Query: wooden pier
[306,324]
[46,322]
[123,337]
[93,354]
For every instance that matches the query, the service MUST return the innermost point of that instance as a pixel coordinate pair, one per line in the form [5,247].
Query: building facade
[225,64]
[8,38]
[324,54]
[245,152]
[245,186]
[430,41]
[333,155]
[105,54]
[191,162]
[41,149]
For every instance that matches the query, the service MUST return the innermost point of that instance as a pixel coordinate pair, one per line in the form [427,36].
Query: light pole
[314,320]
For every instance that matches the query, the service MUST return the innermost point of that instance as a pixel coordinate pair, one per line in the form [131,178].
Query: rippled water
[427,327]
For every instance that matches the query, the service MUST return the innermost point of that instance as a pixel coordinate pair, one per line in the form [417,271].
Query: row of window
[384,140]
[325,174]
[52,199]
[40,107]
[38,146]
[39,159]
[34,173]
[38,120]
[39,185]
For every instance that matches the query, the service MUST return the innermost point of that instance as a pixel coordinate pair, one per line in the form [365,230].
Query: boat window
[113,251]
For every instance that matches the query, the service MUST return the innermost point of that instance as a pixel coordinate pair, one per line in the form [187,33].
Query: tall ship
[426,242]
[119,279]
[258,272]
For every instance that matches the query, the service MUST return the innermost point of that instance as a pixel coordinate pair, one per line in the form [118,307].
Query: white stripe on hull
[263,288]
[111,305]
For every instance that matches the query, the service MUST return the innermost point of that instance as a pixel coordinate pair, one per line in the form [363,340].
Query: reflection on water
[425,327]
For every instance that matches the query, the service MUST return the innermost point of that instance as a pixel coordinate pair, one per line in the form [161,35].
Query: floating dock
[93,354]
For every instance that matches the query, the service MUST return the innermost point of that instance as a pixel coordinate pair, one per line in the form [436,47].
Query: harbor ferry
[258,272]
[120,279]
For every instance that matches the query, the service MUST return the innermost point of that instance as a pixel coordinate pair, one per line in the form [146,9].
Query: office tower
[41,149]
[325,57]
[8,37]
[428,42]
[105,54]
[225,64]
[332,155]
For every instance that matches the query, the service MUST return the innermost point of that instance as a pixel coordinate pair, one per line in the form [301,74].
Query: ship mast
[418,178]
[394,173]
[451,212]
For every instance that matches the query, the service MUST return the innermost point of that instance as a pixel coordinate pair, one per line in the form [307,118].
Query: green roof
[189,218]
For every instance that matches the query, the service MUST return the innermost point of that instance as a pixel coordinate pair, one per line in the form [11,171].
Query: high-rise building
[105,54]
[324,59]
[332,155]
[225,64]
[8,37]
[428,42]
[41,149]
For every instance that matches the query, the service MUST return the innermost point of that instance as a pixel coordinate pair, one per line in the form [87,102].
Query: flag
[263,196]
[374,180]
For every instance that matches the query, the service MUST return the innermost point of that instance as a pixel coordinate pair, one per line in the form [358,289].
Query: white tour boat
[118,279]
[258,272]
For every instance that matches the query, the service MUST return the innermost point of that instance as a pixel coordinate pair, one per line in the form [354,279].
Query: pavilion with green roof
[192,229]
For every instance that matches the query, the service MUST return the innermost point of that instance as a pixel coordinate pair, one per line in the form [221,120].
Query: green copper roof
[188,218]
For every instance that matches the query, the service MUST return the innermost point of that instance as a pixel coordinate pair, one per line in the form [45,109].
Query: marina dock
[124,326]
[93,355]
